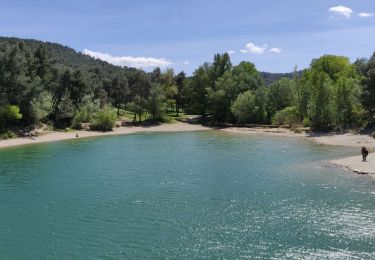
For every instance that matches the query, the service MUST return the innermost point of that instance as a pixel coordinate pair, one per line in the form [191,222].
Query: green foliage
[7,135]
[347,107]
[41,106]
[51,83]
[195,91]
[279,96]
[11,113]
[104,120]
[138,107]
[334,92]
[287,116]
[156,103]
[320,107]
[306,122]
[368,95]
[219,105]
[86,113]
[245,108]
[8,115]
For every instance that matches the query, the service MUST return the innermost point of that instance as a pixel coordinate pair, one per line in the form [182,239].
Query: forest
[50,84]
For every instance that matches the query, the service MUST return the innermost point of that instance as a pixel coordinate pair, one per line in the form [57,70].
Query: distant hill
[62,55]
[66,56]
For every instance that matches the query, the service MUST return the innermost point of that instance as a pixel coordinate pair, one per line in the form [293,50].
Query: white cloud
[341,10]
[365,15]
[186,62]
[231,52]
[275,50]
[137,62]
[252,48]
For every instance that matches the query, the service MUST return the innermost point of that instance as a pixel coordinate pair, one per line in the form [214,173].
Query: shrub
[7,135]
[104,120]
[85,114]
[306,122]
[244,107]
[8,115]
[287,116]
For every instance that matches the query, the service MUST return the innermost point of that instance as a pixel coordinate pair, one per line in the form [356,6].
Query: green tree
[180,80]
[105,120]
[368,96]
[287,116]
[246,108]
[347,107]
[8,115]
[157,102]
[138,107]
[279,96]
[195,91]
[320,109]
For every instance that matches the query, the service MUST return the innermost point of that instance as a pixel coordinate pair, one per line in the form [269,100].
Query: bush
[7,135]
[244,108]
[104,120]
[85,114]
[306,122]
[8,115]
[287,116]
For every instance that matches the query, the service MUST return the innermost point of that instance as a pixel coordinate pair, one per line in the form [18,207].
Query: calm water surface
[183,195]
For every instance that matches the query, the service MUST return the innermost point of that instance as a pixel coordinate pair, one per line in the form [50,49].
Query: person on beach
[364,152]
[77,135]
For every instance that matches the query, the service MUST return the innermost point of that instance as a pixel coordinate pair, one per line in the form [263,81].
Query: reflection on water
[206,194]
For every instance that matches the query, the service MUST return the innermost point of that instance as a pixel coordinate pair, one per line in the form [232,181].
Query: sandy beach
[60,136]
[348,139]
[356,164]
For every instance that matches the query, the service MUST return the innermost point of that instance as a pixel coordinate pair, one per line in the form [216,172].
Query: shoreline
[55,136]
[353,163]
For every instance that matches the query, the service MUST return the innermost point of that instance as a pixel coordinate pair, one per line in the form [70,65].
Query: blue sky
[184,34]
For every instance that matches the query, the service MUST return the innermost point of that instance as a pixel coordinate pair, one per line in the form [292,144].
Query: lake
[183,195]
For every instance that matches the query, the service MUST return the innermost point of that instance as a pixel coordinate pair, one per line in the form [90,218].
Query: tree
[104,120]
[279,96]
[169,88]
[287,116]
[180,80]
[8,115]
[156,102]
[219,105]
[347,107]
[245,108]
[368,96]
[138,107]
[119,92]
[195,92]
[241,78]
[300,94]
[330,79]
[320,104]
[220,65]
[77,88]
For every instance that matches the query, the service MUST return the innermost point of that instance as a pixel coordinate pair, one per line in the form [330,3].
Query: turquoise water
[183,195]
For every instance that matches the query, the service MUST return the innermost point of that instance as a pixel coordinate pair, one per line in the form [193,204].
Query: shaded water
[175,195]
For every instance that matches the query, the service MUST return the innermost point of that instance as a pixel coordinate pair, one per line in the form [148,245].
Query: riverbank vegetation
[45,83]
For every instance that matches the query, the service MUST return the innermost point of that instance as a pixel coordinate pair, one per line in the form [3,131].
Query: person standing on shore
[364,152]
